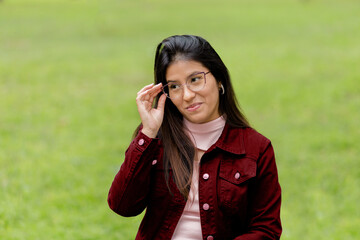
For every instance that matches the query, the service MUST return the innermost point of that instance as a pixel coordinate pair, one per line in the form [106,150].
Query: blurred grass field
[70,70]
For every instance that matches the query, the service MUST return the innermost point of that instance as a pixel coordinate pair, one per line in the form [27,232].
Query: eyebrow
[191,74]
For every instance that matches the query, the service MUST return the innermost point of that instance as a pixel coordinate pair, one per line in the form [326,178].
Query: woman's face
[196,107]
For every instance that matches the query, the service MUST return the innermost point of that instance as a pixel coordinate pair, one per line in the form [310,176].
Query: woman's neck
[204,135]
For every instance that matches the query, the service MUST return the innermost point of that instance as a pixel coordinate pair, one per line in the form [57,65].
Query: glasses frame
[186,84]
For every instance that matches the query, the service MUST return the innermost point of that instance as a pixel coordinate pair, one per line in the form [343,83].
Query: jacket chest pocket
[235,177]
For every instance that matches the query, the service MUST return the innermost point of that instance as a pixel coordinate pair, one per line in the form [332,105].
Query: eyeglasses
[195,83]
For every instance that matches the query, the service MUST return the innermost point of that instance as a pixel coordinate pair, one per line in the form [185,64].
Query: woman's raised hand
[151,117]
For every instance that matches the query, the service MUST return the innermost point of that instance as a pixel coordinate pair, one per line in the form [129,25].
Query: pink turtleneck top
[203,136]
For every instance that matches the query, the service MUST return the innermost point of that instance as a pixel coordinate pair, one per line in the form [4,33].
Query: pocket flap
[237,171]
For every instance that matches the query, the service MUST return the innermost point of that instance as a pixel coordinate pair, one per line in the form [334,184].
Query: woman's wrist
[149,133]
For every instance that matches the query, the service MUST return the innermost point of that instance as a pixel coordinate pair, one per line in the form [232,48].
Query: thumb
[161,102]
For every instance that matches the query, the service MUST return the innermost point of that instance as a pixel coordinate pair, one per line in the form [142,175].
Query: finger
[155,89]
[150,94]
[161,102]
[150,89]
[154,94]
[147,87]
[148,100]
[145,96]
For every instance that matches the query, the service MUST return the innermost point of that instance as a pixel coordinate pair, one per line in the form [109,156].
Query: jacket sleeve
[128,194]
[265,199]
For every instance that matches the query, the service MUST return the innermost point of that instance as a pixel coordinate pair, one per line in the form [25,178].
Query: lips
[193,107]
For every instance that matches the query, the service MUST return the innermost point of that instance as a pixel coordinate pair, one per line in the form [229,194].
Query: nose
[187,93]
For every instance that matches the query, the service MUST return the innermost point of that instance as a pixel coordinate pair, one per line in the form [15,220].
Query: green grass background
[70,70]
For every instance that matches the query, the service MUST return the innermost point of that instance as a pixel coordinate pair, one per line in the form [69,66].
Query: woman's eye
[174,86]
[195,79]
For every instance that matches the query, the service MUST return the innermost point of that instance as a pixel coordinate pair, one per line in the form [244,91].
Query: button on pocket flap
[237,171]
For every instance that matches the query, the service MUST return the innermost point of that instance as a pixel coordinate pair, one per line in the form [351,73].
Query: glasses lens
[196,82]
[165,90]
[172,90]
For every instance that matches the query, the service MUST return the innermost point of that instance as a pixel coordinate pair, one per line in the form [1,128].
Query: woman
[195,164]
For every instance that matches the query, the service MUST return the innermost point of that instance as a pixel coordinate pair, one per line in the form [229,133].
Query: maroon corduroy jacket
[239,192]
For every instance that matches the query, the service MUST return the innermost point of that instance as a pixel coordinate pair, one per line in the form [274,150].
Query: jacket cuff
[142,141]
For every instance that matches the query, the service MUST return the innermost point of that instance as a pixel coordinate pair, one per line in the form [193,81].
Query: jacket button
[141,142]
[206,206]
[154,162]
[206,176]
[237,175]
[210,237]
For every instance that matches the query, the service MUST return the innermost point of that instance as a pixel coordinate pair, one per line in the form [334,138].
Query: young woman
[195,164]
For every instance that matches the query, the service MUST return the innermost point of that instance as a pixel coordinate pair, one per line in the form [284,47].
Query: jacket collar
[231,140]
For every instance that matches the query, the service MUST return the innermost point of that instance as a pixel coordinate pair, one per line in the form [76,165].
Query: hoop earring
[222,91]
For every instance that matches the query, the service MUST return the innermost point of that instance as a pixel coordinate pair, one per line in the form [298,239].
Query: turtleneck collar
[204,135]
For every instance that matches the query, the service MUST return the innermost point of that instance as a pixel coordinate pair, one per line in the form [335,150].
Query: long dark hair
[179,151]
